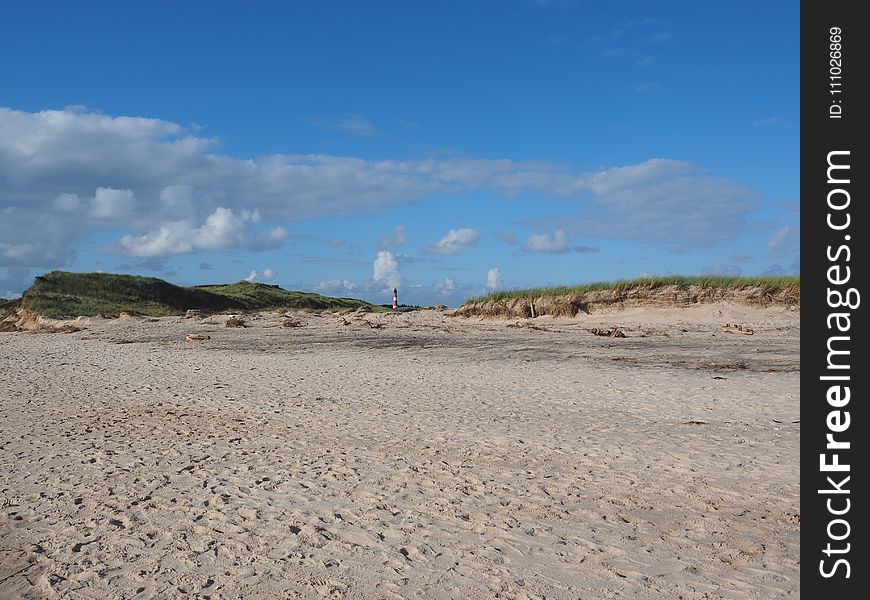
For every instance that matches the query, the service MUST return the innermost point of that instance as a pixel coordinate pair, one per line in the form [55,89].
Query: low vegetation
[63,294]
[676,291]
[650,283]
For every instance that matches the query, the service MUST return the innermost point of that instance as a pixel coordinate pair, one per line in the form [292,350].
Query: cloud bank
[66,174]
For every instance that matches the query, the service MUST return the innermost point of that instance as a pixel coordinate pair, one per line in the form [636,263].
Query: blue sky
[445,148]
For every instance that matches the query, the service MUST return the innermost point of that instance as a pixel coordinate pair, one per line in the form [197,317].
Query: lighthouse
[395,298]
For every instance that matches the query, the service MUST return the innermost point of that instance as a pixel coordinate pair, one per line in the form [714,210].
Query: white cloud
[264,275]
[446,287]
[222,229]
[182,179]
[397,238]
[493,278]
[269,239]
[335,286]
[172,238]
[386,269]
[556,242]
[454,241]
[660,202]
[109,203]
[179,202]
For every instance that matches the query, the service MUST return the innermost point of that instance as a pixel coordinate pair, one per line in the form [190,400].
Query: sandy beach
[412,455]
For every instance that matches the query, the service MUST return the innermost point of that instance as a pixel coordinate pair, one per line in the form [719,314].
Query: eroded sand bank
[411,455]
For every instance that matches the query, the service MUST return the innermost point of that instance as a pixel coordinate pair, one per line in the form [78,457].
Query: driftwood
[195,337]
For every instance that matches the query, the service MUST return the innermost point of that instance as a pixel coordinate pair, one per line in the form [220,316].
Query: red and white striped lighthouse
[395,298]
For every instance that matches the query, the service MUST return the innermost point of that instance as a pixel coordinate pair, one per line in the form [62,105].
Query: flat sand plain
[403,456]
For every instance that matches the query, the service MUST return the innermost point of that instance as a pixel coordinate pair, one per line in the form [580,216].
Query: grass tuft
[682,281]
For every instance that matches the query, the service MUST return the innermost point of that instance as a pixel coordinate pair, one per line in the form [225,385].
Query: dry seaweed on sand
[615,332]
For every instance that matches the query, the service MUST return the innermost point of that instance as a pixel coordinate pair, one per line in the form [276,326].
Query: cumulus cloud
[556,243]
[493,278]
[335,286]
[386,269]
[222,229]
[445,287]
[454,241]
[109,203]
[264,275]
[269,239]
[397,238]
[50,158]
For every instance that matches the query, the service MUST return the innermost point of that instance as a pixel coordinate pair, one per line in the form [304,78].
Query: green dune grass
[683,281]
[60,293]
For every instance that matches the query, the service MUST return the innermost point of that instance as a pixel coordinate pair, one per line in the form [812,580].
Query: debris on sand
[526,325]
[729,328]
[656,332]
[287,322]
[196,337]
[236,322]
[194,313]
[611,333]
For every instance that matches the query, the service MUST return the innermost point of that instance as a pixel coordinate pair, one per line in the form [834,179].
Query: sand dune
[397,456]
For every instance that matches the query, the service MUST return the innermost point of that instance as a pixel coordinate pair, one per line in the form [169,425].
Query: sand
[403,456]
